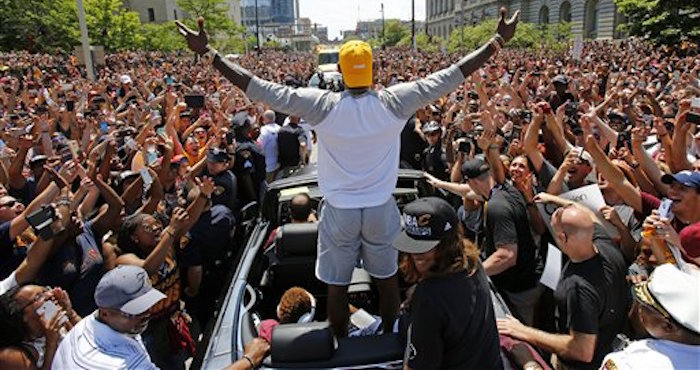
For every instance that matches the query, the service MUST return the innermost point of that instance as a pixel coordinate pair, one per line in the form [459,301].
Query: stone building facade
[591,19]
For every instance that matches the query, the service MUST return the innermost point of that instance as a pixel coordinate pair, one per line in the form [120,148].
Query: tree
[111,25]
[162,36]
[424,42]
[37,25]
[224,33]
[667,22]
[553,37]
[394,31]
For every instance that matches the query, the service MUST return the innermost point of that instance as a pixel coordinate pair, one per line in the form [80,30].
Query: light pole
[413,24]
[84,41]
[383,35]
[257,26]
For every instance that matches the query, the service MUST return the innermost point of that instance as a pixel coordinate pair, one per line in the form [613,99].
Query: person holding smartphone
[32,320]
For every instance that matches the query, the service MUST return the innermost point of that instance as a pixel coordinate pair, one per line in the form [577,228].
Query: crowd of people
[120,199]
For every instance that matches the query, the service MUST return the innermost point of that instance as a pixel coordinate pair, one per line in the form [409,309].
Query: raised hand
[206,185]
[196,41]
[507,28]
[179,219]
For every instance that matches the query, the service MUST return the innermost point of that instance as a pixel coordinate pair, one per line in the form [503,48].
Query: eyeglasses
[9,204]
[39,297]
[129,316]
[152,228]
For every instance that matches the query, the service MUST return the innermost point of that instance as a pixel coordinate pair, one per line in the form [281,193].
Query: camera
[465,146]
[41,221]
[572,108]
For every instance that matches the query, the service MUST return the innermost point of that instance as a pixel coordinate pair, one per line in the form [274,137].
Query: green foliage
[48,26]
[162,36]
[423,42]
[554,37]
[666,22]
[394,31]
[38,25]
[224,33]
[110,24]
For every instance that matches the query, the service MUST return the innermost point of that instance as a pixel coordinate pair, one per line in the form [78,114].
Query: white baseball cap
[673,293]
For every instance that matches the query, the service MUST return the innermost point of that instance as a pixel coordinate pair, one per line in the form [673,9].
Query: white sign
[577,50]
[552,269]
[588,196]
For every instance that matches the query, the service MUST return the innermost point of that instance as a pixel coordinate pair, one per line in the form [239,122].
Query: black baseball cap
[431,126]
[425,222]
[218,155]
[475,167]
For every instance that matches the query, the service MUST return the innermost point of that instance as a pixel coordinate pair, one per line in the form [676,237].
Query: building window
[544,15]
[591,19]
[565,12]
[151,15]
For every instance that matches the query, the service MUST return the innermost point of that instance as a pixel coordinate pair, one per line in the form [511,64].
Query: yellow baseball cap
[356,63]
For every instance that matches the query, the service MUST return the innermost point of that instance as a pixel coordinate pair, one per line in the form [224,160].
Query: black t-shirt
[435,161]
[226,189]
[507,222]
[26,194]
[453,325]
[77,267]
[250,162]
[592,297]
[289,140]
[412,145]
[209,238]
[11,256]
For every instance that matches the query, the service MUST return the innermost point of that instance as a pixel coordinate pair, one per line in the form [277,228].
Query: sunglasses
[9,204]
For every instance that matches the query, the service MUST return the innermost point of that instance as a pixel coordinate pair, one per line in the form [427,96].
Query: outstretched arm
[406,98]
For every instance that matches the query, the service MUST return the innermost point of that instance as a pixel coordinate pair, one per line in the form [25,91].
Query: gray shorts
[347,236]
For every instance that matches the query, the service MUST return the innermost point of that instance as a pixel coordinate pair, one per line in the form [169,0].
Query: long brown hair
[453,253]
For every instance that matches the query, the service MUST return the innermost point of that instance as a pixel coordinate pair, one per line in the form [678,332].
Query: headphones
[309,316]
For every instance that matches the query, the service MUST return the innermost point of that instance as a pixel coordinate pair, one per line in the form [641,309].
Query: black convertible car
[262,276]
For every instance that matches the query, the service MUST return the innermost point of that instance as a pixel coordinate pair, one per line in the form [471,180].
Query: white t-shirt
[9,283]
[92,345]
[654,354]
[358,134]
[268,138]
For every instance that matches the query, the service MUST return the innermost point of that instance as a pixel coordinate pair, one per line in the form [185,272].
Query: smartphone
[693,117]
[695,103]
[70,105]
[230,136]
[665,209]
[194,101]
[104,127]
[130,143]
[161,131]
[146,177]
[67,87]
[465,146]
[41,221]
[151,155]
[48,310]
[2,145]
[66,155]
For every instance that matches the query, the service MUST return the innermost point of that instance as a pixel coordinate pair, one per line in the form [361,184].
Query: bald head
[268,116]
[574,229]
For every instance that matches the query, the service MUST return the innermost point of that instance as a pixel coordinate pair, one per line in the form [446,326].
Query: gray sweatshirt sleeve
[311,104]
[406,98]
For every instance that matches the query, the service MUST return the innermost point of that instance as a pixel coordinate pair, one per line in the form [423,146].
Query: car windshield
[328,58]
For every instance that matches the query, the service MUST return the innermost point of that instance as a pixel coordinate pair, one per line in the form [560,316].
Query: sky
[339,15]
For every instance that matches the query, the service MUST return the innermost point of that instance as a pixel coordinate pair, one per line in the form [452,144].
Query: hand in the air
[196,41]
[507,29]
